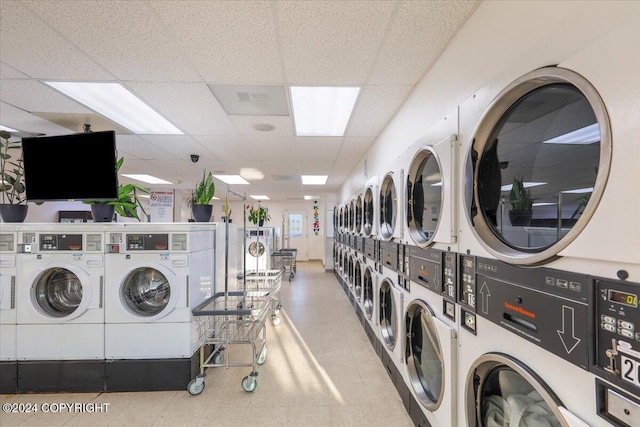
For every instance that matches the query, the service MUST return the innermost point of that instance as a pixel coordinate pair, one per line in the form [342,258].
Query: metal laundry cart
[258,283]
[226,319]
[285,259]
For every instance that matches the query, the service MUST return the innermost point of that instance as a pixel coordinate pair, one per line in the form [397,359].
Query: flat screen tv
[80,166]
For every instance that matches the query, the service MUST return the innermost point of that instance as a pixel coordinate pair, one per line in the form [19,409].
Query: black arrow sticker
[485,293]
[570,342]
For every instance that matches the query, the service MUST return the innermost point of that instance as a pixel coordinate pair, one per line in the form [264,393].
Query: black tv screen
[80,166]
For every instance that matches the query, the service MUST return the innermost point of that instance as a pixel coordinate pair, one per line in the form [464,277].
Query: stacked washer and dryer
[8,318]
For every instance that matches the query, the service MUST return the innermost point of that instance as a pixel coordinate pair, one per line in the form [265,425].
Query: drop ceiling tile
[227,147]
[273,148]
[315,168]
[331,42]
[31,95]
[318,148]
[189,106]
[282,167]
[282,125]
[140,148]
[8,72]
[181,146]
[228,42]
[35,48]
[126,38]
[418,35]
[21,120]
[375,108]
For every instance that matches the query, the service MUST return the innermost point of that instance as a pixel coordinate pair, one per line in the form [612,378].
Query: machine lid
[388,207]
[368,292]
[424,196]
[145,291]
[367,212]
[500,390]
[541,157]
[58,292]
[424,355]
[388,317]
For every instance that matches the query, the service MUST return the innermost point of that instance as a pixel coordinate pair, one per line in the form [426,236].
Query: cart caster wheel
[249,383]
[262,357]
[291,276]
[275,320]
[196,386]
[217,359]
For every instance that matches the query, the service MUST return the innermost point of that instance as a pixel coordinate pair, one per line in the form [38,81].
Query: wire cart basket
[285,260]
[232,318]
[261,282]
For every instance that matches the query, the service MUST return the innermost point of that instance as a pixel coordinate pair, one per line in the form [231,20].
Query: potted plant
[201,197]
[258,216]
[13,203]
[126,205]
[521,204]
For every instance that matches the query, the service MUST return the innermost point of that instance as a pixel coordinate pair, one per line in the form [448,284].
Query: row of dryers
[478,342]
[94,307]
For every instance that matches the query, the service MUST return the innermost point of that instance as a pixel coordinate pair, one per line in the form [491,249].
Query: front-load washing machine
[358,217]
[390,206]
[358,269]
[390,312]
[430,341]
[260,242]
[155,275]
[431,213]
[525,347]
[370,210]
[8,270]
[60,308]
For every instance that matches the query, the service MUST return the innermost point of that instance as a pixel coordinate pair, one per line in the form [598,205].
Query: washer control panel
[618,332]
[60,242]
[467,291]
[147,242]
[449,275]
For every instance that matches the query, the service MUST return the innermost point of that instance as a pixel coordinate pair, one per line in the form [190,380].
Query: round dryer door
[357,280]
[424,202]
[368,292]
[352,213]
[388,318]
[256,249]
[146,292]
[58,293]
[500,391]
[388,207]
[424,355]
[544,152]
[367,212]
[358,215]
[350,271]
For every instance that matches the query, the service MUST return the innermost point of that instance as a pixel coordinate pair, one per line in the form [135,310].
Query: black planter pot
[520,217]
[202,213]
[13,213]
[102,213]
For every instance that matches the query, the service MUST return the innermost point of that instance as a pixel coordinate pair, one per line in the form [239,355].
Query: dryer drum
[425,196]
[543,156]
[368,293]
[388,207]
[146,291]
[388,322]
[58,292]
[367,212]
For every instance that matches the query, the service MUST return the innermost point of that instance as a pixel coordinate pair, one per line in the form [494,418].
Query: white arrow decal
[568,314]
[484,291]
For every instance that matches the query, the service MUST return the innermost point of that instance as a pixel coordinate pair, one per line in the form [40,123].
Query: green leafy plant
[258,214]
[520,197]
[11,171]
[128,202]
[205,189]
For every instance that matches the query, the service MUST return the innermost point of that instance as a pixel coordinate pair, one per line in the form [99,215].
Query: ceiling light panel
[231,179]
[259,197]
[586,135]
[322,111]
[314,179]
[115,102]
[146,178]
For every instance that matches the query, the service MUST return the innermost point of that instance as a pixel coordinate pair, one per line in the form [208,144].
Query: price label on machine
[630,370]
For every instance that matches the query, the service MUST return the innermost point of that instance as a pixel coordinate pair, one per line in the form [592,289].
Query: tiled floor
[320,371]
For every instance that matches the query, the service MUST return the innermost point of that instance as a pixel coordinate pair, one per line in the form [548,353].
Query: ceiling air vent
[252,100]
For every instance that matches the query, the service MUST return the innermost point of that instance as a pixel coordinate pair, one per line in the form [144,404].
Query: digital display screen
[623,298]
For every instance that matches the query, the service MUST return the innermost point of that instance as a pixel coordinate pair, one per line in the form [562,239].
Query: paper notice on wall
[161,206]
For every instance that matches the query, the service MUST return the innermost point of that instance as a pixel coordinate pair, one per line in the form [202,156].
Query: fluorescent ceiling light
[322,111]
[437,184]
[314,179]
[7,129]
[231,179]
[586,135]
[526,184]
[310,198]
[579,191]
[259,197]
[116,103]
[544,204]
[146,178]
[143,196]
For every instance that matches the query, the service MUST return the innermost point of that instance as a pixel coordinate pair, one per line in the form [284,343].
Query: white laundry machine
[430,341]
[260,242]
[155,274]
[8,281]
[358,220]
[351,216]
[358,269]
[390,206]
[370,210]
[525,352]
[60,308]
[431,213]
